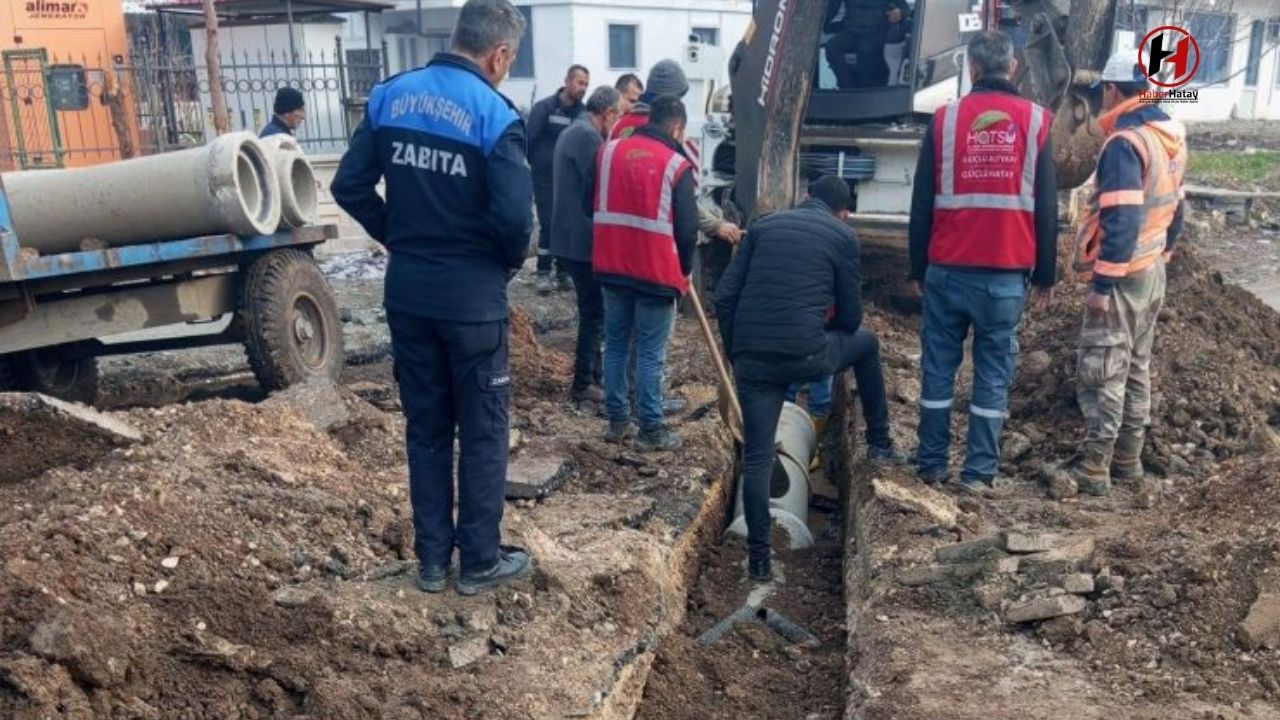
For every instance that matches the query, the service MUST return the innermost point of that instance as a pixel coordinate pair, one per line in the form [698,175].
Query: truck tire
[52,372]
[292,331]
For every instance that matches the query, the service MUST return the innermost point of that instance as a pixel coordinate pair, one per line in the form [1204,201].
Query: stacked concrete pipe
[299,200]
[226,186]
[796,442]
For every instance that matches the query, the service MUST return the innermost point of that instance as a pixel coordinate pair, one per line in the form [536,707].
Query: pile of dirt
[1216,372]
[535,368]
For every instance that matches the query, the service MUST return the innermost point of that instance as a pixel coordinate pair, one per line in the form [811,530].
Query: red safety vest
[628,124]
[985,147]
[634,233]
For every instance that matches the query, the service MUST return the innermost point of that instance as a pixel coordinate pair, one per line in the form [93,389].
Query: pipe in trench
[796,442]
[299,199]
[226,186]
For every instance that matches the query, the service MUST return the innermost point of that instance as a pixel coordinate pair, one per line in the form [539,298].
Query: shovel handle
[722,370]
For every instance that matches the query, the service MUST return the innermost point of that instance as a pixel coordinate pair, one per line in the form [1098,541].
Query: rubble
[918,498]
[1261,627]
[64,434]
[1045,608]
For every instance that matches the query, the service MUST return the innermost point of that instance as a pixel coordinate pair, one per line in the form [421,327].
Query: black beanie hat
[287,100]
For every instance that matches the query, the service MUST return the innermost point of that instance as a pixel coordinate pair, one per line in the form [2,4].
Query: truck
[784,115]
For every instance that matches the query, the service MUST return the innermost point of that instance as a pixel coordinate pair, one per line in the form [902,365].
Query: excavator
[787,114]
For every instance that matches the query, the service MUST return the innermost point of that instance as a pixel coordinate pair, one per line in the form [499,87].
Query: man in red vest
[984,220]
[646,229]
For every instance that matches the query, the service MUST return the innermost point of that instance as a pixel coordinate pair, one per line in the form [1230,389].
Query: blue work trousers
[955,301]
[454,377]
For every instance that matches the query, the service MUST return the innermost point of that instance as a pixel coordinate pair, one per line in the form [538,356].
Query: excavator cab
[848,87]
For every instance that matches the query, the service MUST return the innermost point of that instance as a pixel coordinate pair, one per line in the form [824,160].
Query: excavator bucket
[778,55]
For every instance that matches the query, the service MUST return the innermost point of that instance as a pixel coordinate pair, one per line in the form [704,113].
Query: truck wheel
[51,372]
[290,319]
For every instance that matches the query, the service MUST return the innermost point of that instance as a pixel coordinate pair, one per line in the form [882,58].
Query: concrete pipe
[227,186]
[797,442]
[299,200]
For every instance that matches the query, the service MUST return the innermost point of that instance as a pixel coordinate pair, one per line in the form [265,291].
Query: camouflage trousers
[1114,359]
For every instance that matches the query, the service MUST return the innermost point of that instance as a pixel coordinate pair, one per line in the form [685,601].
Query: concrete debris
[319,401]
[1264,440]
[966,551]
[1070,556]
[531,477]
[466,652]
[1045,608]
[1027,542]
[1036,363]
[933,574]
[918,498]
[1261,627]
[67,434]
[1015,447]
[1078,583]
[91,652]
[292,596]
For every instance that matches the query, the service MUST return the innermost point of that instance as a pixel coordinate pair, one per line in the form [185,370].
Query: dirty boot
[619,432]
[1126,463]
[513,564]
[1092,470]
[659,439]
[760,567]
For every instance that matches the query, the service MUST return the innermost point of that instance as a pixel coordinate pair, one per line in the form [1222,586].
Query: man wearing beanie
[290,110]
[668,78]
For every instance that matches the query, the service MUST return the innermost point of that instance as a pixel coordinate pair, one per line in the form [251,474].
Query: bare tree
[214,64]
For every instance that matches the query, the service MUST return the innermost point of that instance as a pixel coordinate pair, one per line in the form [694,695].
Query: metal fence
[58,111]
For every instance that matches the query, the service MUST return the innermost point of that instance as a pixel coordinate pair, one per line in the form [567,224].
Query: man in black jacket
[773,305]
[549,117]
[456,222]
[571,228]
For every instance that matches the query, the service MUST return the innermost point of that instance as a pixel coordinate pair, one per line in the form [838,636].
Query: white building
[1239,73]
[609,38]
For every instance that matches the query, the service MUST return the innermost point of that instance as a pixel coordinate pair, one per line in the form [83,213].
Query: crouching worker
[772,305]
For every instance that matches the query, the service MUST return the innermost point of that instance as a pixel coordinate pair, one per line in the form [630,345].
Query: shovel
[727,396]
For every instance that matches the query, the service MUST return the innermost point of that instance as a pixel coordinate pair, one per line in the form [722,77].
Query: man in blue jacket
[456,222]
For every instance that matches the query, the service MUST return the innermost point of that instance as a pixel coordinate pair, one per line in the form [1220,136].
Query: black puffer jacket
[774,300]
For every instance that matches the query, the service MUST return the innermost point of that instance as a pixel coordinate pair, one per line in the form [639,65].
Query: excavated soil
[241,563]
[1183,560]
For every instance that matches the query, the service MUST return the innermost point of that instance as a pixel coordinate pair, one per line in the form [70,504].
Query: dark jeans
[870,69]
[648,320]
[761,397]
[588,364]
[954,301]
[543,200]
[454,375]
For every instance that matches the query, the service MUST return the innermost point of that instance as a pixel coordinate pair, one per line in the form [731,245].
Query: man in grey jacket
[574,175]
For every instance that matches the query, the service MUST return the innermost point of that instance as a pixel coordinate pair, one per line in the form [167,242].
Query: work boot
[619,432]
[934,476]
[1092,470]
[592,393]
[544,285]
[760,568]
[659,439]
[433,578]
[886,455]
[513,564]
[1126,463]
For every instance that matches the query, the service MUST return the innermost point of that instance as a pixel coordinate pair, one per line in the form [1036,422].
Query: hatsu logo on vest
[982,135]
[56,10]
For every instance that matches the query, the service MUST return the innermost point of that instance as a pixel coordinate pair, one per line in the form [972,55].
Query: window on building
[1214,32]
[622,47]
[1257,32]
[706,35]
[523,66]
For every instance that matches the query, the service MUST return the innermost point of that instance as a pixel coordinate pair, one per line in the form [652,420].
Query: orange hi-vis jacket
[1145,205]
